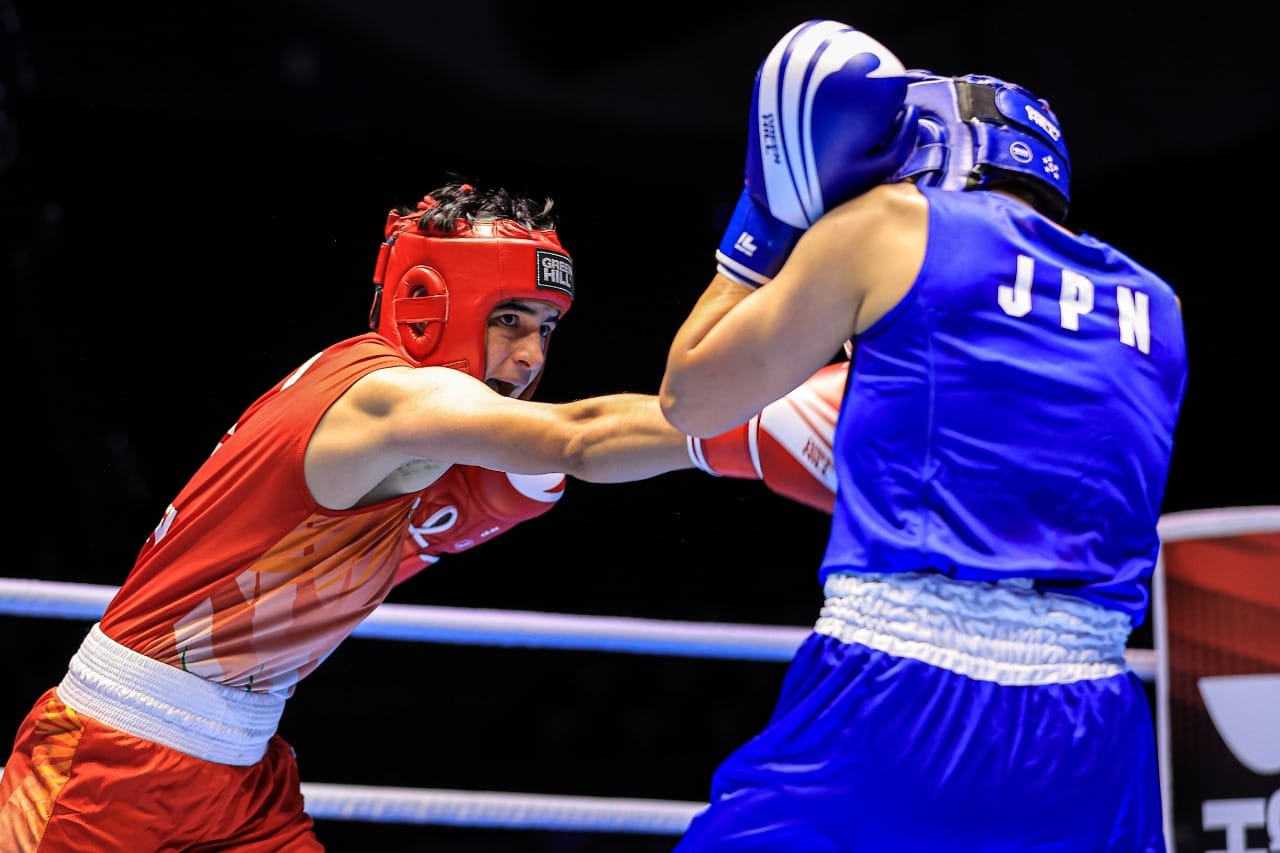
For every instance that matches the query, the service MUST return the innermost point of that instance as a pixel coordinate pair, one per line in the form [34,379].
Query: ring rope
[22,597]
[488,627]
[497,809]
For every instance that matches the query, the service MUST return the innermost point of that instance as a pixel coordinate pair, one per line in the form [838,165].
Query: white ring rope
[487,627]
[497,628]
[496,809]
[54,599]
[499,810]
[19,597]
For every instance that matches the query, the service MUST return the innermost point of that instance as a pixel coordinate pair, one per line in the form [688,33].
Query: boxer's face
[516,343]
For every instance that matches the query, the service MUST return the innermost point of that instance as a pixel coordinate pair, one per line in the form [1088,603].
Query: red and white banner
[1217,642]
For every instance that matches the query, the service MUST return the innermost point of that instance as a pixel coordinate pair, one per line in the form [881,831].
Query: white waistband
[1004,631]
[161,703]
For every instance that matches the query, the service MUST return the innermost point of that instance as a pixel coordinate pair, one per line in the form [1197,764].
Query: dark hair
[443,206]
[1031,191]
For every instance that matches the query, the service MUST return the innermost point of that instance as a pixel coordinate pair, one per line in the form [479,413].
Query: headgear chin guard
[434,290]
[976,131]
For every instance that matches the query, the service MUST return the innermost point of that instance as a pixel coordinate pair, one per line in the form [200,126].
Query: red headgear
[434,290]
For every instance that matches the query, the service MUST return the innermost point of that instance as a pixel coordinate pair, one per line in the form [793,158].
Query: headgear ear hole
[421,310]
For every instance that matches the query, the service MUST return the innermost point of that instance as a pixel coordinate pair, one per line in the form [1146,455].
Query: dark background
[192,199]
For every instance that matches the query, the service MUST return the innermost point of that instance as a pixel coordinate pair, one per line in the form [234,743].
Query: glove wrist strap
[694,446]
[755,245]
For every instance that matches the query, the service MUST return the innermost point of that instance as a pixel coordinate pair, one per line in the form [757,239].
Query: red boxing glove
[787,445]
[469,505]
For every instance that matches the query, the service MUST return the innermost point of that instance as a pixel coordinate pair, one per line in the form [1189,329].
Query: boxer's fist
[787,445]
[828,121]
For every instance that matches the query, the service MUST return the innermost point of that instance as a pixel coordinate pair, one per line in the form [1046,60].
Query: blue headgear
[977,130]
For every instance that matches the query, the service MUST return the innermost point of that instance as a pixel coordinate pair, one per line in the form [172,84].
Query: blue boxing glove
[828,121]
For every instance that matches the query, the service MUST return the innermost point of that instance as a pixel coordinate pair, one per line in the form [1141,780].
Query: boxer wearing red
[364,465]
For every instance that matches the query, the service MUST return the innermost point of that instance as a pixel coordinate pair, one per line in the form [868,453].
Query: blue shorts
[868,750]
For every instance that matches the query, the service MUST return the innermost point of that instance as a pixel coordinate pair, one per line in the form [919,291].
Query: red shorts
[74,784]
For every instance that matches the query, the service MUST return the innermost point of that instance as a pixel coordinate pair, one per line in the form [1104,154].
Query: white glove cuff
[694,446]
[740,274]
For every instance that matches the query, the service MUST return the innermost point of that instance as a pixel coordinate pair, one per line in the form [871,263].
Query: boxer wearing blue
[1000,455]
